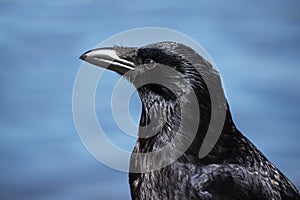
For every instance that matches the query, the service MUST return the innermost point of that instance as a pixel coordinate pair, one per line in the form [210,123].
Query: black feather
[234,169]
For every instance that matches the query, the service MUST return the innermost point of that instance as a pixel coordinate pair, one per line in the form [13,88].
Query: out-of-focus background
[256,46]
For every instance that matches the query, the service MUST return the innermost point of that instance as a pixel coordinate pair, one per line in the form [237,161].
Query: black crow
[182,96]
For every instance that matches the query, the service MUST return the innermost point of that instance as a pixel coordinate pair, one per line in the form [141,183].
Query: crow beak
[107,58]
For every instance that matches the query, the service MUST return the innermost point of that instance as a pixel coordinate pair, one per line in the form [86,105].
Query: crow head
[175,85]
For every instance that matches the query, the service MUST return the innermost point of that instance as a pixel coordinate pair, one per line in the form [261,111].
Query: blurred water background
[255,44]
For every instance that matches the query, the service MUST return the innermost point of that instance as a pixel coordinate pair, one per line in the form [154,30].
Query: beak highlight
[107,58]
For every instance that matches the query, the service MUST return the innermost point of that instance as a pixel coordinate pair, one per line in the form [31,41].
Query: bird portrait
[188,146]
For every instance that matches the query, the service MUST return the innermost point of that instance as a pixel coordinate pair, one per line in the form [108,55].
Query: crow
[188,146]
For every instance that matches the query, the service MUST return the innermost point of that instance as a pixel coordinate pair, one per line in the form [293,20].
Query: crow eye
[149,63]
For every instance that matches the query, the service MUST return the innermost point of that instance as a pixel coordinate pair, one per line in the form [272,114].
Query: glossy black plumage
[234,168]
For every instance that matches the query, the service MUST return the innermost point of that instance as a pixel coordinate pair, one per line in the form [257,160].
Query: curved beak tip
[83,56]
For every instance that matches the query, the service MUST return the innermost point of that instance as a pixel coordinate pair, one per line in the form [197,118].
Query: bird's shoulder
[232,181]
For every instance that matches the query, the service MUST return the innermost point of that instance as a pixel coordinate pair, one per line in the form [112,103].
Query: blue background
[256,46]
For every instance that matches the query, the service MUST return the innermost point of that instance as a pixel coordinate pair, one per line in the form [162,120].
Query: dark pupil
[149,63]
